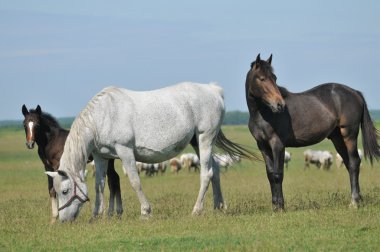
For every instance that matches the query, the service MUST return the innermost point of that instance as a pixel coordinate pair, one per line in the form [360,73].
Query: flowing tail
[234,150]
[370,135]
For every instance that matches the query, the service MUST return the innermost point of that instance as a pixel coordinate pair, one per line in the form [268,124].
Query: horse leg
[114,188]
[208,172]
[345,142]
[216,188]
[53,200]
[100,175]
[215,180]
[129,165]
[274,162]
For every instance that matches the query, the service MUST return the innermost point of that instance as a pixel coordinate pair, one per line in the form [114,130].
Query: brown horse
[43,129]
[279,119]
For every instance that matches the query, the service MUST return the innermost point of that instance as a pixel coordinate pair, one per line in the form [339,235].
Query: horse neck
[77,148]
[252,103]
[46,132]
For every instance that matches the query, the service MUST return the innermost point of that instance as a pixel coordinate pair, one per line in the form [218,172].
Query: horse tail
[370,134]
[234,150]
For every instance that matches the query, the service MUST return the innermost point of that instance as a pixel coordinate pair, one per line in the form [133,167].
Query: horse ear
[257,62]
[38,110]
[57,173]
[62,173]
[24,110]
[51,174]
[269,60]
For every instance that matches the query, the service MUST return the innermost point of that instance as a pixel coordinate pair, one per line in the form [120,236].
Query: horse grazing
[44,129]
[279,119]
[190,160]
[175,165]
[149,127]
[151,169]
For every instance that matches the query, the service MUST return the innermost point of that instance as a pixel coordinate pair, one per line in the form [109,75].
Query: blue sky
[59,54]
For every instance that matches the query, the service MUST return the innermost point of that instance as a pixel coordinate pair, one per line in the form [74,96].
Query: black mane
[50,120]
[283,91]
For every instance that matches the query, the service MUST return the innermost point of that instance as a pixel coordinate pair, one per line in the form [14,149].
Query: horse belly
[302,140]
[163,131]
[308,128]
[160,149]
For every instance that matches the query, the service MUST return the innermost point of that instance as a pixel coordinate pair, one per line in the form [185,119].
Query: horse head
[71,194]
[32,119]
[261,84]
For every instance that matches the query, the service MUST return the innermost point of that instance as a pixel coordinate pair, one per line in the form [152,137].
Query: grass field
[317,218]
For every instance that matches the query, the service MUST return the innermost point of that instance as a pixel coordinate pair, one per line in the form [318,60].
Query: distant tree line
[236,118]
[231,118]
[239,117]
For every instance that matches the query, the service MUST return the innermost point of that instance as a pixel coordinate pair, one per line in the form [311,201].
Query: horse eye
[262,78]
[66,191]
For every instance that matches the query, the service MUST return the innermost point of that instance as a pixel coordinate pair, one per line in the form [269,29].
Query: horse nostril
[30,145]
[281,107]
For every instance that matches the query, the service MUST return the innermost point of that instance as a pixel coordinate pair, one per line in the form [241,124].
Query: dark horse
[43,129]
[279,119]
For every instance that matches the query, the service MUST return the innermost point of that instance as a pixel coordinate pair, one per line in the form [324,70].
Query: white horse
[149,127]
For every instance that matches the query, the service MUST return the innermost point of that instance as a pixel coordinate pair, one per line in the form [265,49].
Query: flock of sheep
[190,161]
[187,161]
[322,159]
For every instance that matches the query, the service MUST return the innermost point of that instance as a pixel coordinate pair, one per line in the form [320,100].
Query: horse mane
[75,154]
[283,91]
[48,119]
[75,151]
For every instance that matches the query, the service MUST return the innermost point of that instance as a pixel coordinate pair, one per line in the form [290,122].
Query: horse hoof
[196,211]
[222,207]
[145,217]
[278,208]
[53,221]
[94,219]
[119,214]
[354,205]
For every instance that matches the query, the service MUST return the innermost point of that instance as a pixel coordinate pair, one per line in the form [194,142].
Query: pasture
[317,215]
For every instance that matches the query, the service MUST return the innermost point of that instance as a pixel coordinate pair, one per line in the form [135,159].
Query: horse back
[345,103]
[158,121]
[313,115]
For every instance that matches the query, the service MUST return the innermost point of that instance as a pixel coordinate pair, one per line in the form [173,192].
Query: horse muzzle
[280,107]
[277,107]
[30,144]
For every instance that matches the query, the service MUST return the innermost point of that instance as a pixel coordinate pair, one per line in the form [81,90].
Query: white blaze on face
[30,126]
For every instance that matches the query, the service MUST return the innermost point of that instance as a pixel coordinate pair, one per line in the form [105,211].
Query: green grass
[317,218]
